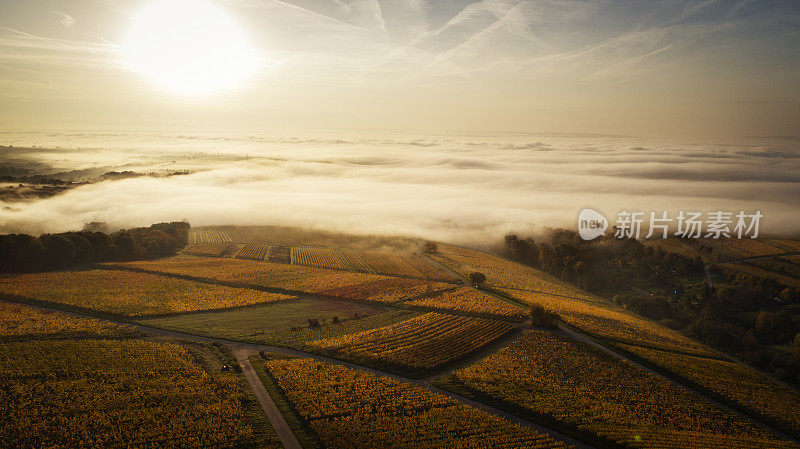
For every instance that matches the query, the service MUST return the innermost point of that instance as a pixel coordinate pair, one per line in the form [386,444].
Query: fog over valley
[456,188]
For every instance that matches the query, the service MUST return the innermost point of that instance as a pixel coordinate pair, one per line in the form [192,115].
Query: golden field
[352,409]
[468,300]
[110,393]
[733,381]
[128,293]
[584,388]
[424,342]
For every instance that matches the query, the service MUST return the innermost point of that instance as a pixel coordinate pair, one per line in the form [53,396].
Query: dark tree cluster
[24,253]
[543,318]
[756,318]
[477,279]
[430,247]
[654,307]
[776,290]
[603,266]
[748,317]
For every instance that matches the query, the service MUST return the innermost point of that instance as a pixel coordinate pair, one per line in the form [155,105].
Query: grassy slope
[260,319]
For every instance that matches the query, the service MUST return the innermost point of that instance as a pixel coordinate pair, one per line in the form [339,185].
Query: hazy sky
[651,68]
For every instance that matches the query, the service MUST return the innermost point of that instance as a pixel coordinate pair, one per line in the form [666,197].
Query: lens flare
[188,47]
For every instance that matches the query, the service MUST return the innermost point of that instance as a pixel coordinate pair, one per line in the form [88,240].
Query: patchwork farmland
[363,347]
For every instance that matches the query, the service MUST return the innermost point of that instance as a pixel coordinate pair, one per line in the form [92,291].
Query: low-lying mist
[457,189]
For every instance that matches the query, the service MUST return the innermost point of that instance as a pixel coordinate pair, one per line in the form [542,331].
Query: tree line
[603,266]
[21,253]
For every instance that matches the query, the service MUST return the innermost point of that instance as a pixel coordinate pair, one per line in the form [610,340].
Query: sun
[188,47]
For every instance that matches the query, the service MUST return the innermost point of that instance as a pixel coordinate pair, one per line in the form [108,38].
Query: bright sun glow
[188,47]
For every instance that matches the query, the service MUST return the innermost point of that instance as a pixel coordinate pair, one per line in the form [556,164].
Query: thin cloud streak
[598,66]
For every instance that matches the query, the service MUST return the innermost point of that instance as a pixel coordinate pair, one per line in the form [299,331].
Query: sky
[685,69]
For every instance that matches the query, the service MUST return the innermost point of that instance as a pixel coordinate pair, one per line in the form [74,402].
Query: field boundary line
[578,335]
[421,373]
[274,415]
[484,353]
[186,277]
[303,354]
[296,294]
[748,259]
[485,316]
[296,263]
[615,341]
[676,380]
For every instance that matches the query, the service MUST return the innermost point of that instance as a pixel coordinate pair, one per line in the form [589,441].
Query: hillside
[303,344]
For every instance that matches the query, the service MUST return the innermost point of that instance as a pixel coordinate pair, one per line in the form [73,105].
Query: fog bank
[458,189]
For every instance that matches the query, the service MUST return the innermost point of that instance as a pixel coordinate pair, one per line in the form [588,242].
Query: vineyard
[352,409]
[372,262]
[733,381]
[779,266]
[127,293]
[382,262]
[317,257]
[607,321]
[208,236]
[22,322]
[428,271]
[388,263]
[208,249]
[582,388]
[503,273]
[733,248]
[253,251]
[116,393]
[468,300]
[387,290]
[752,248]
[261,274]
[66,379]
[401,264]
[353,260]
[728,249]
[785,245]
[425,342]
